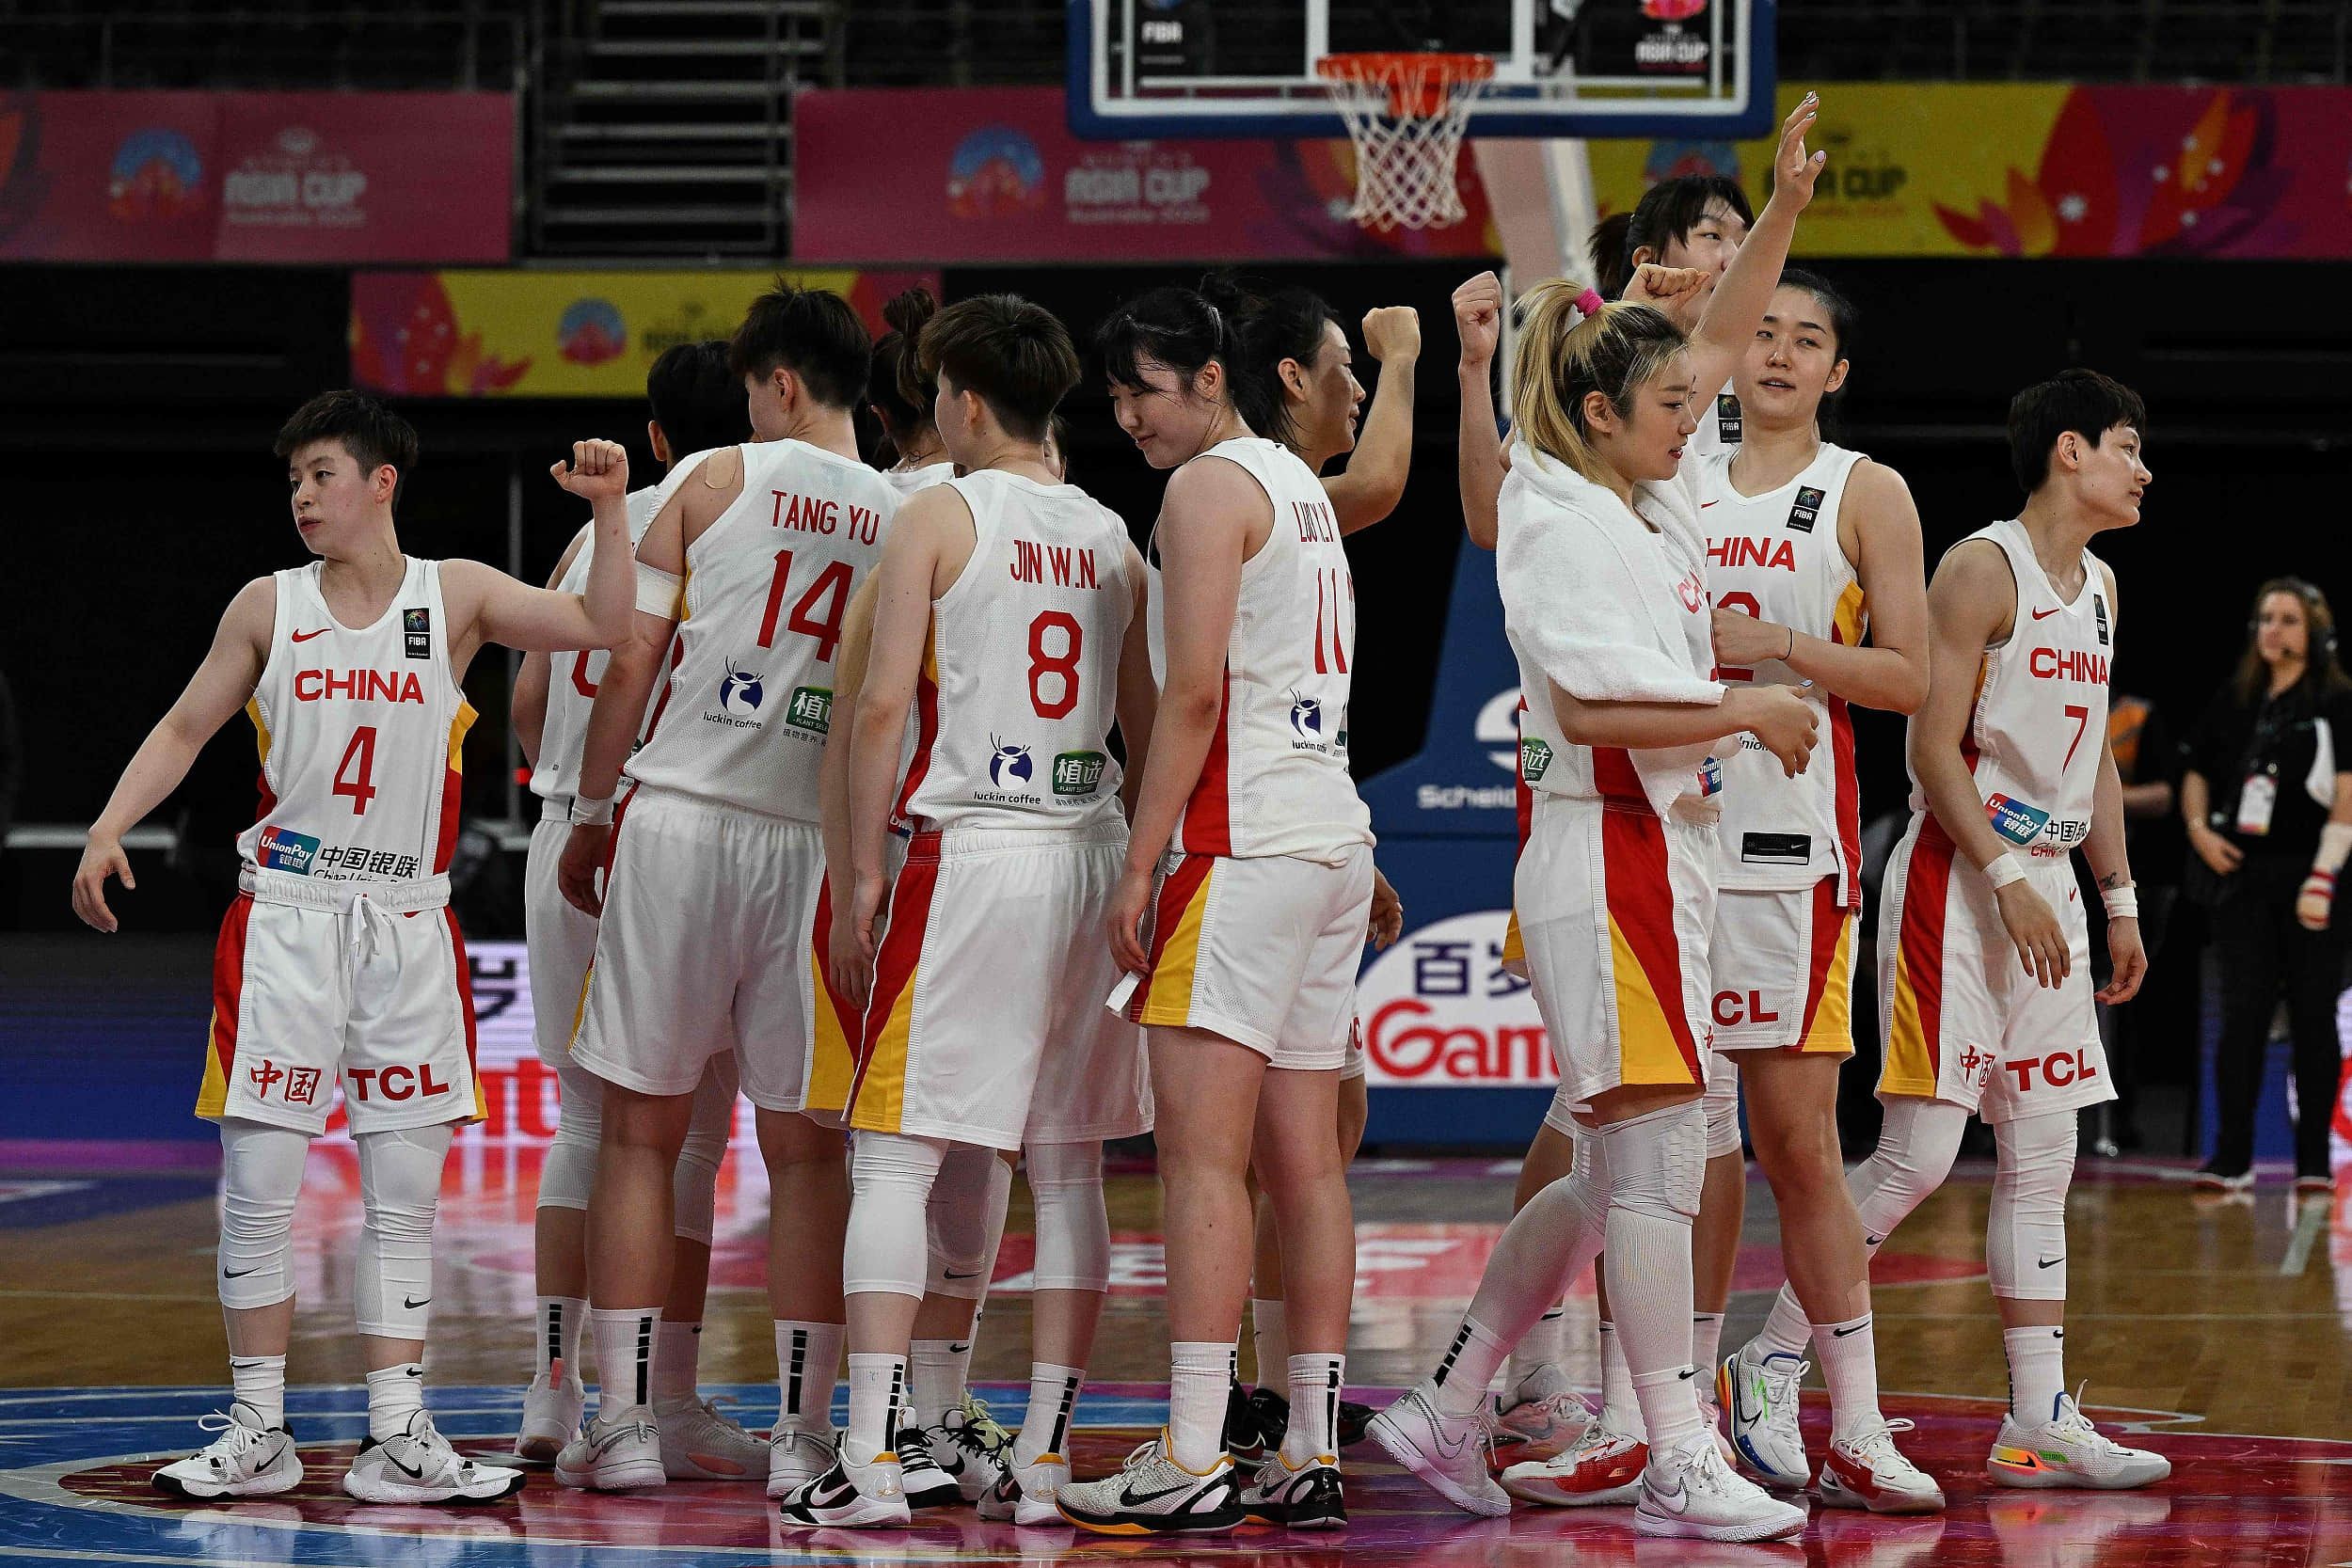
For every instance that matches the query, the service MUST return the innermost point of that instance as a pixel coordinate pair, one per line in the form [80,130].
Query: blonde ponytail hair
[1564,356]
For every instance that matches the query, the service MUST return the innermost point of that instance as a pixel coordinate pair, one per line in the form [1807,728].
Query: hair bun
[906,312]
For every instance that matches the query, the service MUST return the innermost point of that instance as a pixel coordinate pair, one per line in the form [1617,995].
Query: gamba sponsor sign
[1440,1011]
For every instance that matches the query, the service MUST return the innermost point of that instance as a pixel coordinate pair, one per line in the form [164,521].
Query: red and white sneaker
[1602,1468]
[1867,1471]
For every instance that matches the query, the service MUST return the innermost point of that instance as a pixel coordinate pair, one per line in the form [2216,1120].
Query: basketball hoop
[1406,113]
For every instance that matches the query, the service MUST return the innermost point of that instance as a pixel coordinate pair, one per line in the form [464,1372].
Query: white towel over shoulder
[1592,597]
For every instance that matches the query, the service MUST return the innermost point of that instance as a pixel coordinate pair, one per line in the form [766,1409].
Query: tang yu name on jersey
[1054,649]
[741,701]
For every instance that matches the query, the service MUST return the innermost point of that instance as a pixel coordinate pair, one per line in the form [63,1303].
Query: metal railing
[434,43]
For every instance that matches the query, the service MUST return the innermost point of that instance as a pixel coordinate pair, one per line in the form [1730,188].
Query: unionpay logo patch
[2013,820]
[283,850]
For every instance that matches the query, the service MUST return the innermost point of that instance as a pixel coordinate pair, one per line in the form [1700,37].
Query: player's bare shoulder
[1974,593]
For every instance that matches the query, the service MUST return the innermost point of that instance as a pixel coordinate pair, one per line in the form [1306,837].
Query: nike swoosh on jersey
[306,636]
[2045,614]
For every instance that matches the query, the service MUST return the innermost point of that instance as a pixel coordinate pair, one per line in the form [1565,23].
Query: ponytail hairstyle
[1565,356]
[1845,323]
[1666,213]
[899,393]
[1267,328]
[1168,325]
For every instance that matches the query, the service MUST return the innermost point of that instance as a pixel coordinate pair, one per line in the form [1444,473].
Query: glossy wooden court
[2216,1331]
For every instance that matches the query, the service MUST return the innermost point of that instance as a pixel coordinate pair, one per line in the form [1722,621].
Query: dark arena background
[495,214]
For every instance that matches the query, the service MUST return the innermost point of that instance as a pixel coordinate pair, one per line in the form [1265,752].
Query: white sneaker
[1303,1497]
[699,1442]
[1453,1454]
[551,1413]
[1026,1494]
[2068,1451]
[924,1481]
[1152,1495]
[617,1455]
[246,1460]
[1759,1392]
[796,1457]
[1600,1469]
[970,1447]
[1542,1409]
[1690,1493]
[1867,1470]
[851,1496]
[417,1465]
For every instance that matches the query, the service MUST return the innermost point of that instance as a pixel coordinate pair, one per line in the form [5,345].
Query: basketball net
[1406,113]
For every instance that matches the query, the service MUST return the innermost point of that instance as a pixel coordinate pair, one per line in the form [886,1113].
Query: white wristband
[2002,870]
[590,814]
[2122,902]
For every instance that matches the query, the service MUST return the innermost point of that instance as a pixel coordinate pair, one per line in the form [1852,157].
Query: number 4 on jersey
[354,773]
[832,585]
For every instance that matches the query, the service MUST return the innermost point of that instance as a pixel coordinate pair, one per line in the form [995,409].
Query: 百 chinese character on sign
[1442,967]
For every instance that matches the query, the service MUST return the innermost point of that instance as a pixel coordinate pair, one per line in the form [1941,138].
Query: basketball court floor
[2214,1331]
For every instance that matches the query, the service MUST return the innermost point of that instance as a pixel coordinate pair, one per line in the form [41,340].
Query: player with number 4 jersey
[339,964]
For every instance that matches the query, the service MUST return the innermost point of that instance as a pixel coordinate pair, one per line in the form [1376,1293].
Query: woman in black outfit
[2267,801]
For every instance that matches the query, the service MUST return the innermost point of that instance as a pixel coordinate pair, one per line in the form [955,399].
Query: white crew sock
[260,1381]
[1200,1377]
[1053,1396]
[394,1395]
[1315,1380]
[625,1337]
[677,1363]
[1545,1345]
[933,1387]
[1619,1410]
[2037,1373]
[1707,1342]
[808,1368]
[1850,1365]
[878,1384]
[1461,1379]
[561,1321]
[1786,1332]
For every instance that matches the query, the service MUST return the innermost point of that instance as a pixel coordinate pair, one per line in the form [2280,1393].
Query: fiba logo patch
[740,693]
[1011,767]
[1307,718]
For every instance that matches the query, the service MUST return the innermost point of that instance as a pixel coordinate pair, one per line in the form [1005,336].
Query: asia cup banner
[565,334]
[994,174]
[2036,169]
[275,177]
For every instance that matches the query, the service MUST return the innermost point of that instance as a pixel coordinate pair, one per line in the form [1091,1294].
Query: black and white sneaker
[1270,1418]
[971,1447]
[926,1482]
[849,1497]
[1306,1498]
[1152,1495]
[246,1460]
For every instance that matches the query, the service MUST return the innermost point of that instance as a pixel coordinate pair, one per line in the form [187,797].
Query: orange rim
[1419,83]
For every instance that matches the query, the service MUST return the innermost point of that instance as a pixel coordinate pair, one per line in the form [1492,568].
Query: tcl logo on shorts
[2057,1070]
[392,1083]
[1741,1007]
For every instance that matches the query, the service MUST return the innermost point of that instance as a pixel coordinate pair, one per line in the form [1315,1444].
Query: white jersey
[2039,729]
[362,731]
[1019,679]
[1777,555]
[749,696]
[572,677]
[1275,780]
[908,480]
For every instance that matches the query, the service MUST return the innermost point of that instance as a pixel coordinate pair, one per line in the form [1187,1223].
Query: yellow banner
[508,333]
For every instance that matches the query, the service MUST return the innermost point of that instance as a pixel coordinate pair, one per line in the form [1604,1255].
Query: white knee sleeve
[1658,1162]
[1074,1229]
[260,1173]
[695,1193]
[1917,1145]
[2024,1233]
[890,1182]
[966,1219]
[1722,1105]
[399,1184]
[570,1170]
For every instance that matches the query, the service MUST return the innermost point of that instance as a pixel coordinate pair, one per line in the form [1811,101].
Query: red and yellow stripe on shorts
[1828,1025]
[1915,1035]
[1163,998]
[1654,1044]
[878,1098]
[837,1029]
